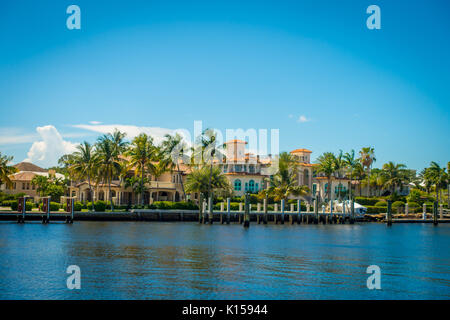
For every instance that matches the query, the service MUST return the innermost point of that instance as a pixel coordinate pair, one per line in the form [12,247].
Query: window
[225,167]
[326,187]
[252,168]
[238,168]
[314,189]
[237,185]
[256,187]
[246,187]
[23,185]
[251,186]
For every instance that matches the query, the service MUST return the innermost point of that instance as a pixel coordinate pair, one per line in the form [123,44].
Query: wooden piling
[435,213]
[265,210]
[389,213]
[282,210]
[247,211]
[228,210]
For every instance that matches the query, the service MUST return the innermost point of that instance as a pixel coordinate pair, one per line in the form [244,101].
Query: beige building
[21,180]
[245,172]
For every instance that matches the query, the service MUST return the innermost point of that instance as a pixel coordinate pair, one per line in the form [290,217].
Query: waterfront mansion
[245,172]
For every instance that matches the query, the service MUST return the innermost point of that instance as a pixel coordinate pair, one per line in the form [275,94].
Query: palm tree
[140,154]
[173,149]
[284,184]
[41,183]
[326,166]
[109,163]
[394,175]
[437,176]
[6,170]
[209,148]
[82,164]
[367,159]
[202,180]
[339,165]
[118,142]
[136,184]
[351,163]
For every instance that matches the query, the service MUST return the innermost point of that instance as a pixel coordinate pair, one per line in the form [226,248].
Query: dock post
[240,212]
[265,210]
[316,211]
[441,211]
[282,211]
[406,209]
[222,207]
[424,212]
[204,218]
[228,210]
[435,213]
[21,209]
[299,210]
[48,209]
[389,213]
[247,211]
[200,208]
[352,211]
[210,210]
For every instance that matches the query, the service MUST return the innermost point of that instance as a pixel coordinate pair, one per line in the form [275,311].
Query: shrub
[414,196]
[54,206]
[13,204]
[366,201]
[376,209]
[77,206]
[413,205]
[163,204]
[187,205]
[398,204]
[100,205]
[381,203]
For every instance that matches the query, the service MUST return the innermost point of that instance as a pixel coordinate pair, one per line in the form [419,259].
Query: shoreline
[193,215]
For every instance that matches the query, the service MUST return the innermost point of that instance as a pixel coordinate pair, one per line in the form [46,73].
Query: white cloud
[132,131]
[52,146]
[302,119]
[95,122]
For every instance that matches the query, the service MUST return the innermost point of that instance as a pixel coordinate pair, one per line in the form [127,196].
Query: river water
[183,260]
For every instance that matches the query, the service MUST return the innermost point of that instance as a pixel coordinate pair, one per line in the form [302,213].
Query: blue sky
[309,68]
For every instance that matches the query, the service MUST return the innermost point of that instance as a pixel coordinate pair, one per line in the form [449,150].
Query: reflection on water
[138,260]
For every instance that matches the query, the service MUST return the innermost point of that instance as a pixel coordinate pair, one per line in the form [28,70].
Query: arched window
[246,187]
[237,185]
[256,187]
[251,186]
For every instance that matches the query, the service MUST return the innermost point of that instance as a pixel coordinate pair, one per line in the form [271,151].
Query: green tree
[83,163]
[367,158]
[202,179]
[437,176]
[284,184]
[109,148]
[173,151]
[140,154]
[326,167]
[6,170]
[351,164]
[394,176]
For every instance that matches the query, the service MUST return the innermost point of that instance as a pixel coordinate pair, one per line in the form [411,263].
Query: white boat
[360,210]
